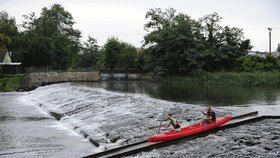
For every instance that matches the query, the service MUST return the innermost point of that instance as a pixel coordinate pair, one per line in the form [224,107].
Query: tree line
[174,44]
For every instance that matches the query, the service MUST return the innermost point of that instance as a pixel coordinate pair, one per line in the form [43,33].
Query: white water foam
[109,118]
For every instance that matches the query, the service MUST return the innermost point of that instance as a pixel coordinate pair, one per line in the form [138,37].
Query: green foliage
[63,51]
[175,44]
[179,44]
[90,54]
[229,78]
[36,52]
[112,50]
[8,30]
[10,82]
[256,63]
[49,40]
[174,41]
[144,60]
[223,45]
[245,79]
[117,54]
[4,41]
[128,56]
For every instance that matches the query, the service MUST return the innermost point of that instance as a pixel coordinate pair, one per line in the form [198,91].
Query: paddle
[161,121]
[203,118]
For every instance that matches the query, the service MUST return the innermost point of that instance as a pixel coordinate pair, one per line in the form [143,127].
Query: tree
[51,36]
[178,44]
[8,30]
[223,44]
[232,46]
[211,29]
[174,41]
[90,53]
[4,41]
[35,51]
[256,63]
[112,50]
[212,32]
[128,56]
[118,54]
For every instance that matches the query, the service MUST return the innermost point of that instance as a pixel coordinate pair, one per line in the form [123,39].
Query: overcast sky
[125,18]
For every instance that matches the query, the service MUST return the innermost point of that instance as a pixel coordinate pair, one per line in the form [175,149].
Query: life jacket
[211,114]
[174,123]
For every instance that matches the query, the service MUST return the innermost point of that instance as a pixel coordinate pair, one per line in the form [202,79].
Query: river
[196,93]
[123,112]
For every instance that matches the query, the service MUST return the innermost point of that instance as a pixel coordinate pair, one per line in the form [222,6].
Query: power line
[259,28]
[119,35]
[143,34]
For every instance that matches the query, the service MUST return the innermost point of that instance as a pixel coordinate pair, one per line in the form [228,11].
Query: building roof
[10,63]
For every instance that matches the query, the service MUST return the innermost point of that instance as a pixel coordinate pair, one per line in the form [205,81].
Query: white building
[6,64]
[257,53]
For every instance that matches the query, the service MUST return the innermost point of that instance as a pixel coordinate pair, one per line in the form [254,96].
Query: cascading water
[110,118]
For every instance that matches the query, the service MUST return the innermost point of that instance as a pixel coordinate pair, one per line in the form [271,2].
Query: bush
[10,82]
[230,78]
[257,64]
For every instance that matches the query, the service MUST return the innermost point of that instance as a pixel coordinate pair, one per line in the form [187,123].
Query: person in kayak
[172,121]
[210,116]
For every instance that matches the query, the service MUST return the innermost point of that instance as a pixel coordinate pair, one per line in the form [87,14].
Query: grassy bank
[10,83]
[230,78]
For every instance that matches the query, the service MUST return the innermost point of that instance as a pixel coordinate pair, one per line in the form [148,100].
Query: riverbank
[269,79]
[10,83]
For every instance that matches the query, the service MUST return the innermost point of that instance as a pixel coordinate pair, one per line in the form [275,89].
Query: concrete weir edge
[146,146]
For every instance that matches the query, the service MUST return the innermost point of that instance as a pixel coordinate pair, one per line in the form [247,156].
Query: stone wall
[33,80]
[120,76]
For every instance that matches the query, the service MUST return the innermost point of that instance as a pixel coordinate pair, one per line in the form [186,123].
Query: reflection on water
[195,93]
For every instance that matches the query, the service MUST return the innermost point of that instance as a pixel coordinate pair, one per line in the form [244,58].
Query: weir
[146,146]
[58,117]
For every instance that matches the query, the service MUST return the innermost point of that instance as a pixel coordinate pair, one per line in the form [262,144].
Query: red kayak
[193,129]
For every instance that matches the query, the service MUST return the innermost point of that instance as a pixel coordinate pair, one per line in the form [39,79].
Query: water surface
[27,132]
[195,93]
[120,113]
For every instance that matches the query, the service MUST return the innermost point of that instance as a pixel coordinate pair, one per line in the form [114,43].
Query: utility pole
[269,29]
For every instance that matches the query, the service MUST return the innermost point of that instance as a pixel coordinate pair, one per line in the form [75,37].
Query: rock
[250,143]
[56,115]
[268,148]
[275,137]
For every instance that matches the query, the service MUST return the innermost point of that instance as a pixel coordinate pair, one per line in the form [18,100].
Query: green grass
[10,83]
[230,78]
